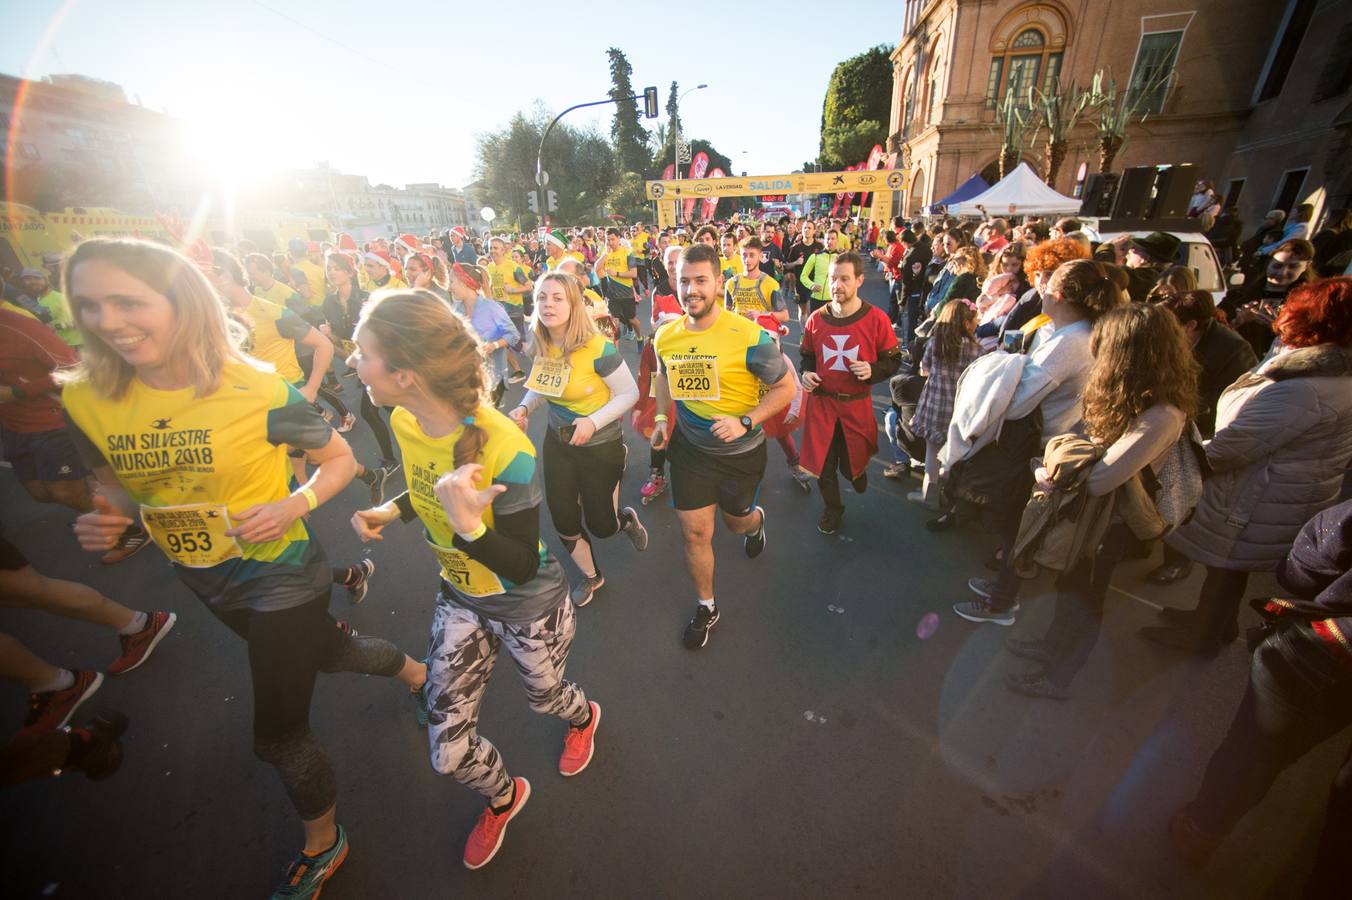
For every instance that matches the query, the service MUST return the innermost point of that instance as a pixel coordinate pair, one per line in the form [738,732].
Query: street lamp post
[676,137]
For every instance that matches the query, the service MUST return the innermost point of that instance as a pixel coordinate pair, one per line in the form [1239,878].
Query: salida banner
[698,188]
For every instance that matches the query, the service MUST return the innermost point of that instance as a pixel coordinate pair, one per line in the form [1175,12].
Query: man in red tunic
[847,346]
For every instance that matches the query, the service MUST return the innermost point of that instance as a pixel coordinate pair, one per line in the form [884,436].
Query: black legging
[325,394]
[837,459]
[287,648]
[370,413]
[580,483]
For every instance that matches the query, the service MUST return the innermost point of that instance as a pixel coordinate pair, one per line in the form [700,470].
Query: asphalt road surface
[824,744]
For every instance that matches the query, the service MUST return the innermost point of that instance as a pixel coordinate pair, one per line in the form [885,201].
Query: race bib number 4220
[194,535]
[693,378]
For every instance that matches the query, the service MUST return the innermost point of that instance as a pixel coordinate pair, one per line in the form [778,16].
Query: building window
[1232,193]
[1337,75]
[1080,176]
[1027,62]
[1154,69]
[1289,192]
[1283,52]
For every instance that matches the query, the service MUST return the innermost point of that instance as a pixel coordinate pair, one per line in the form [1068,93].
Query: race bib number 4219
[548,377]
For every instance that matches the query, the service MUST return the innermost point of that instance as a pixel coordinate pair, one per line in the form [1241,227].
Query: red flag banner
[699,166]
[711,203]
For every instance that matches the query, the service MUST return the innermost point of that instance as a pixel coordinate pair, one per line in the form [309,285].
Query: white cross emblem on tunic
[835,356]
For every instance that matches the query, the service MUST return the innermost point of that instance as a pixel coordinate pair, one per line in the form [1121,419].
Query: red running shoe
[491,828]
[136,647]
[50,710]
[580,743]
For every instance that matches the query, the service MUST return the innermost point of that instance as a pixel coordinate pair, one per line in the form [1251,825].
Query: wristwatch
[747,423]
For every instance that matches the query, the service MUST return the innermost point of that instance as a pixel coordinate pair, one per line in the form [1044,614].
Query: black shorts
[700,479]
[42,455]
[623,308]
[11,558]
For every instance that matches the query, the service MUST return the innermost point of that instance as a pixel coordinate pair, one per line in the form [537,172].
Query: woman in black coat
[1299,695]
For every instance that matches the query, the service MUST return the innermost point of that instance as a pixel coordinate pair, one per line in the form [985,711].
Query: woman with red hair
[1282,447]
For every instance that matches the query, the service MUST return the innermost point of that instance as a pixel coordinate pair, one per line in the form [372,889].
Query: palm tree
[1011,120]
[1115,110]
[1058,111]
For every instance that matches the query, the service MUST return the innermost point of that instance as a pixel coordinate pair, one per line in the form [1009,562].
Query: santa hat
[380,257]
[557,238]
[459,232]
[772,325]
[346,243]
[409,243]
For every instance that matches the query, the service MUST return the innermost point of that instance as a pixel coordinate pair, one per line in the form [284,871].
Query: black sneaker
[697,632]
[829,523]
[95,748]
[516,377]
[376,485]
[356,592]
[755,541]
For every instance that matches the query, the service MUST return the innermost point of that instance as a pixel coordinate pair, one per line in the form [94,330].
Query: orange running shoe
[580,743]
[491,828]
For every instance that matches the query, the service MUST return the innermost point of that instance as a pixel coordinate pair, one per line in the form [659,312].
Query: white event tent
[1020,193]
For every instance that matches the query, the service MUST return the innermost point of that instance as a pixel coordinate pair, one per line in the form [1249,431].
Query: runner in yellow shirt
[509,285]
[731,260]
[714,364]
[187,433]
[617,268]
[754,293]
[307,276]
[474,486]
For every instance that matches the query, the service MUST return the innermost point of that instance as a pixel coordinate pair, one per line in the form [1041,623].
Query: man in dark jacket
[1147,258]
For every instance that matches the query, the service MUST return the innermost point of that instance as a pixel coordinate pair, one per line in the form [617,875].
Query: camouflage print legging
[460,660]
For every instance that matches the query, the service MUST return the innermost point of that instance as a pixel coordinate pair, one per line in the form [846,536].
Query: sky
[399,97]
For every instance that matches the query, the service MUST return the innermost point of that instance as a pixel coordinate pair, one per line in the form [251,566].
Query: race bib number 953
[194,535]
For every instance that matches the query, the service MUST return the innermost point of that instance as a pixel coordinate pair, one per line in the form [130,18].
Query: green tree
[628,198]
[855,111]
[626,131]
[580,164]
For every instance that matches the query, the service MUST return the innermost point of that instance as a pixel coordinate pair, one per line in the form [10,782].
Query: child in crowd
[951,349]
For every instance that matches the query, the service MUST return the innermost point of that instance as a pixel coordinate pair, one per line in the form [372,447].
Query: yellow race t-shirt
[280,293]
[576,387]
[731,266]
[273,335]
[508,458]
[314,277]
[717,371]
[621,260]
[502,274]
[753,296]
[193,463]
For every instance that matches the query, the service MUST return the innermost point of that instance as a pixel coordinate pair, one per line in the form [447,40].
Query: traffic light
[533,201]
[553,201]
[650,103]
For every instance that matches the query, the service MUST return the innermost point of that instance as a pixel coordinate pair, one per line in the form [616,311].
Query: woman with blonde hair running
[474,486]
[184,430]
[580,376]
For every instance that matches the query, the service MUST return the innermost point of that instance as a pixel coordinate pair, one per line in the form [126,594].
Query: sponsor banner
[698,187]
[698,167]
